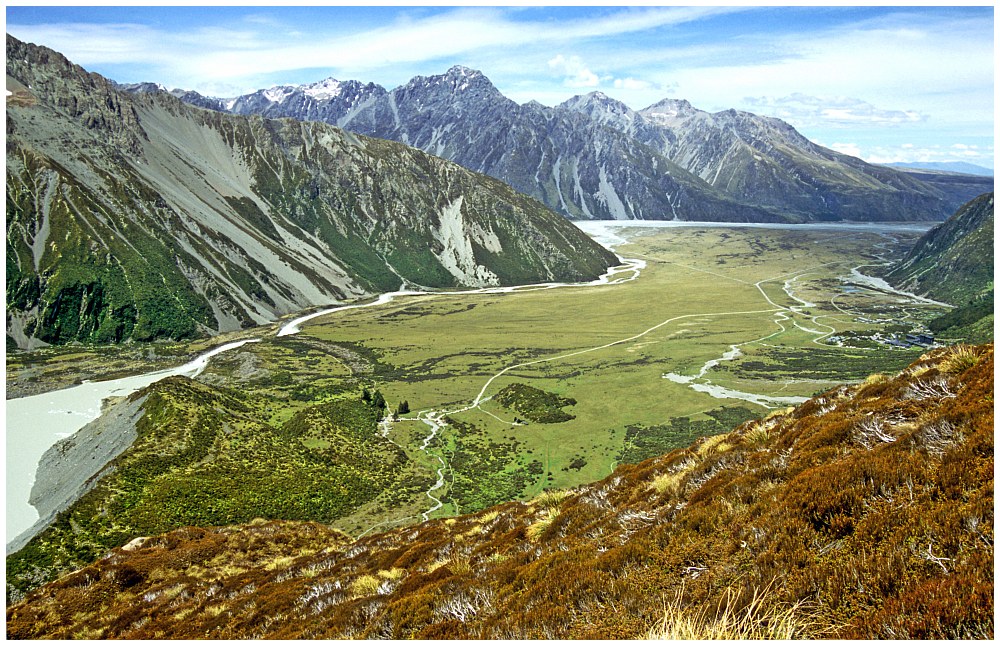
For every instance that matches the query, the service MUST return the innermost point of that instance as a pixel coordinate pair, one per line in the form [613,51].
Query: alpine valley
[332,361]
[139,217]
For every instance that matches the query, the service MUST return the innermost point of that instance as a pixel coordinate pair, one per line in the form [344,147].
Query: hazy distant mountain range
[137,216]
[946,167]
[593,157]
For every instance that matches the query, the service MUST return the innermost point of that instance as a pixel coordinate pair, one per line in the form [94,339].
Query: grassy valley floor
[742,321]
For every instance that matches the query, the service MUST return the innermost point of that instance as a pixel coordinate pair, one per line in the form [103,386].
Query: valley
[710,326]
[468,360]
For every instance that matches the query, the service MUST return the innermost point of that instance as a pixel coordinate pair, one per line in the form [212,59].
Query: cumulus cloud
[575,73]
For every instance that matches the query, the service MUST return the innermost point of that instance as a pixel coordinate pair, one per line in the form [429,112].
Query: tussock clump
[365,585]
[536,529]
[758,434]
[875,379]
[550,498]
[763,617]
[959,359]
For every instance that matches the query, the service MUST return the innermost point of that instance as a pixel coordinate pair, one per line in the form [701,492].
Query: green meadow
[776,294]
[748,312]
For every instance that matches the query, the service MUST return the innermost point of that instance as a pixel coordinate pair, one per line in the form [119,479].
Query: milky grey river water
[35,423]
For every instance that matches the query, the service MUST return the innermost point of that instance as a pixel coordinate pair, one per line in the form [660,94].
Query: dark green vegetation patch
[821,364]
[485,470]
[535,404]
[204,456]
[643,442]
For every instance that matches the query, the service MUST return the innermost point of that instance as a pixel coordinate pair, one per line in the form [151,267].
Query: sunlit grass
[763,617]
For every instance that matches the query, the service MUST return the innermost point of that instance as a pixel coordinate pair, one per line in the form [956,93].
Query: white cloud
[882,154]
[830,111]
[260,45]
[575,73]
[912,74]
[630,83]
[853,150]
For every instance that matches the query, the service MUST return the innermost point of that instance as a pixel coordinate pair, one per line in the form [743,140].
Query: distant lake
[597,227]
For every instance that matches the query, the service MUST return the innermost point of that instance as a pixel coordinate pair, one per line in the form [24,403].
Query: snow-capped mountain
[594,157]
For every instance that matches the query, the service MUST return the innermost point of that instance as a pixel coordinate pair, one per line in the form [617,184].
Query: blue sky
[886,84]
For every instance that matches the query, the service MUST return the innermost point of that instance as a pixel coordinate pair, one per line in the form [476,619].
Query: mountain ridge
[953,262]
[593,157]
[243,218]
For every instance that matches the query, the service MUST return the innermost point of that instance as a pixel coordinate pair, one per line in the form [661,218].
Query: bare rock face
[595,158]
[134,216]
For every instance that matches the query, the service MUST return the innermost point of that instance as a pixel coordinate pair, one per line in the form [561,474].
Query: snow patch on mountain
[324,90]
[278,93]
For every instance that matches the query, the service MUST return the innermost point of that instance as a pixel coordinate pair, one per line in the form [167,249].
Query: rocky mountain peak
[323,90]
[594,101]
[602,109]
[669,111]
[560,154]
[140,88]
[150,158]
[457,80]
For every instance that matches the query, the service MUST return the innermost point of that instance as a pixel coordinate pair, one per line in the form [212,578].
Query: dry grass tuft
[758,435]
[537,528]
[489,517]
[395,574]
[550,498]
[280,563]
[714,444]
[365,585]
[877,378]
[762,618]
[960,358]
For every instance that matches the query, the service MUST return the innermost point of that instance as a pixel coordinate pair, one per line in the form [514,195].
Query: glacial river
[33,424]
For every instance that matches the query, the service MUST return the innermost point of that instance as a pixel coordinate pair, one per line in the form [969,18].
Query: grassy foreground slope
[866,512]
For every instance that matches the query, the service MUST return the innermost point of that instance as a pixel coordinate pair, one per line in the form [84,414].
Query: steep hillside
[953,262]
[866,512]
[136,216]
[595,158]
